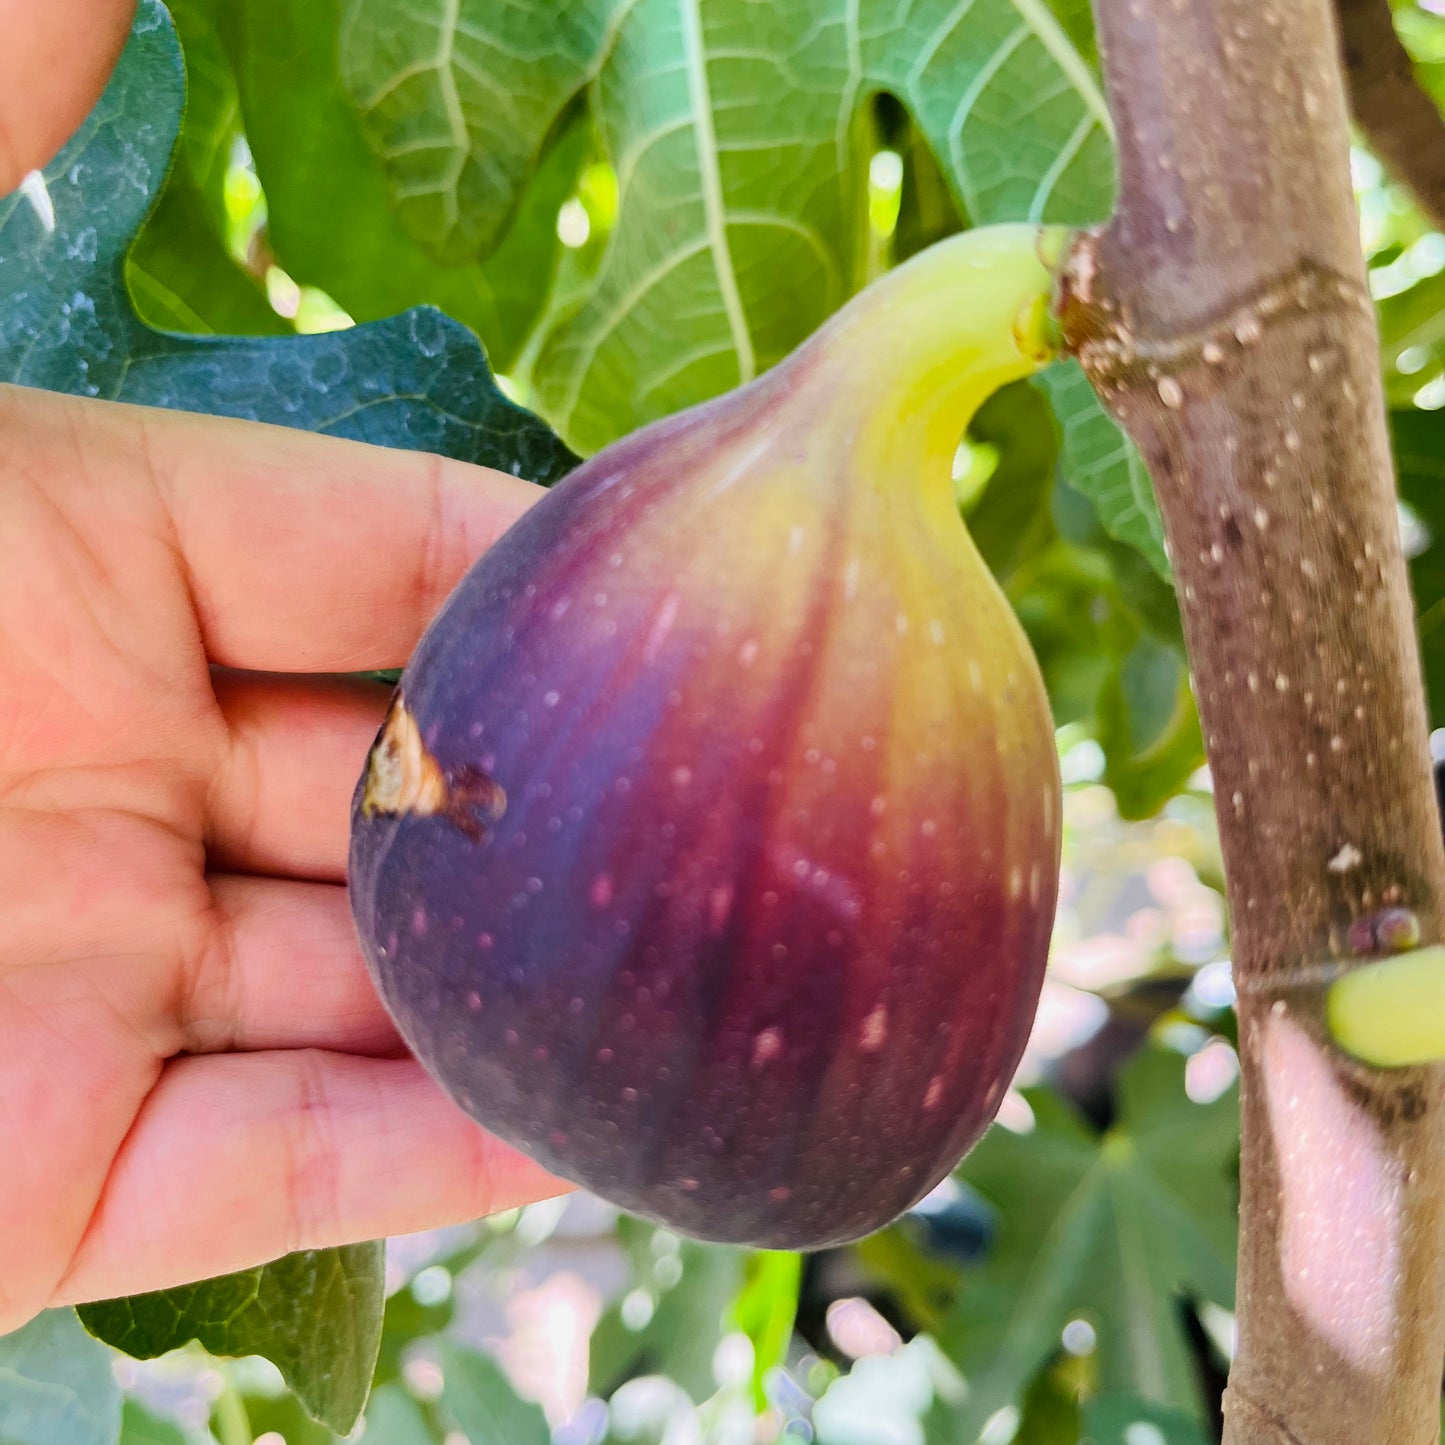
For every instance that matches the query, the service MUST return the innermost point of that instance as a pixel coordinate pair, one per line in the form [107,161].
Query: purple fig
[710,849]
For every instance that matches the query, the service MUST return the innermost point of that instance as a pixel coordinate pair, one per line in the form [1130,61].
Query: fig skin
[710,852]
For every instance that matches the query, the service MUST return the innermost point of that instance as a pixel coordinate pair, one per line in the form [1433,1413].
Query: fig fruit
[710,849]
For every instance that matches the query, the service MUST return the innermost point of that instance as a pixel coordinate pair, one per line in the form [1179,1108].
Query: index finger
[308,553]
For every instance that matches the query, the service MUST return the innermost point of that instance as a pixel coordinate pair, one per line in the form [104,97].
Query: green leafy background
[511,233]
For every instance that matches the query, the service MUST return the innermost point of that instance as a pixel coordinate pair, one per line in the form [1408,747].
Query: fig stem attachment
[917,352]
[1392,1013]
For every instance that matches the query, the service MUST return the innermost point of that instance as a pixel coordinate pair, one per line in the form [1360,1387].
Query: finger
[236,1159]
[53,66]
[310,554]
[283,970]
[281,802]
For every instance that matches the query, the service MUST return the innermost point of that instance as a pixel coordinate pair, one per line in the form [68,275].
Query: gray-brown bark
[1401,122]
[1223,316]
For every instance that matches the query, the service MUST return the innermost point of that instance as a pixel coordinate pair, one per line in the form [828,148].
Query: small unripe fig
[1392,1013]
[710,850]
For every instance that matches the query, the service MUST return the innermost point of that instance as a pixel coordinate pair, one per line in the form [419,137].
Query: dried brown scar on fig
[403,777]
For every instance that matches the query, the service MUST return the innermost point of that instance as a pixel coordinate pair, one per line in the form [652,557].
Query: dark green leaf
[1108,1420]
[1107,631]
[56,1386]
[481,1401]
[1112,1228]
[1064,595]
[316,1315]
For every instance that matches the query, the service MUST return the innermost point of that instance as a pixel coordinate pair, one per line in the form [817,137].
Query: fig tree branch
[1400,121]
[1222,314]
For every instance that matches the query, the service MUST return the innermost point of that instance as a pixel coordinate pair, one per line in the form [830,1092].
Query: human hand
[195,1072]
[53,65]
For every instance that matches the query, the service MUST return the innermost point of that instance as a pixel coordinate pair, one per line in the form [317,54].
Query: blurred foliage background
[633,205]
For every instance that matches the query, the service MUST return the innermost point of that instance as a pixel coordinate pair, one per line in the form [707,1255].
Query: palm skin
[195,1073]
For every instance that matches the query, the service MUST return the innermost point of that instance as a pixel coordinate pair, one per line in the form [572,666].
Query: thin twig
[1400,121]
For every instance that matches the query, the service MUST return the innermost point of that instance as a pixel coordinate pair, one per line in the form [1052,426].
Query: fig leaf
[316,1315]
[56,1386]
[1111,1228]
[418,380]
[1102,463]
[742,154]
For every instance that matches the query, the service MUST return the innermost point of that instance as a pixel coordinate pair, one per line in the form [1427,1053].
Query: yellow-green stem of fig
[1392,1013]
[915,353]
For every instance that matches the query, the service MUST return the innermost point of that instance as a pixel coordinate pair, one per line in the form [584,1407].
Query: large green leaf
[739,134]
[1118,1229]
[417,380]
[56,1387]
[332,218]
[316,1315]
[420,152]
[458,101]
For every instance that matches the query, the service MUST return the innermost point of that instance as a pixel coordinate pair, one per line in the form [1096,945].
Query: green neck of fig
[914,356]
